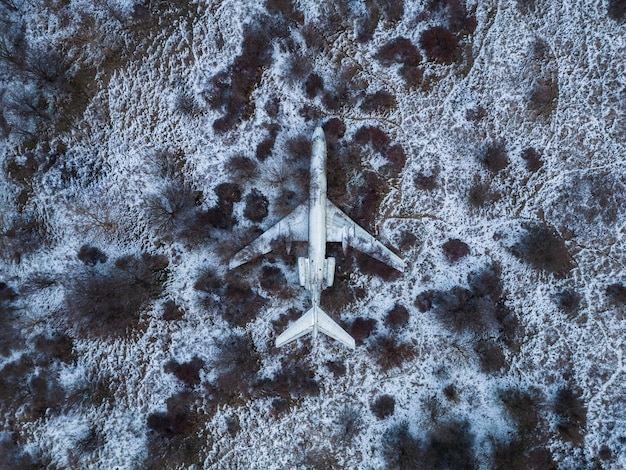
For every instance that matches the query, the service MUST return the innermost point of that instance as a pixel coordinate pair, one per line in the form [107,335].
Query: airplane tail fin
[306,323]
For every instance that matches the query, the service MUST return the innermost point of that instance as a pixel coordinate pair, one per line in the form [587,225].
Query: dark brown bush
[240,303]
[56,346]
[401,449]
[174,206]
[543,249]
[15,456]
[424,301]
[372,135]
[475,114]
[388,353]
[187,372]
[171,311]
[366,25]
[397,317]
[45,393]
[90,255]
[178,420]
[451,393]
[455,249]
[616,293]
[495,157]
[383,406]
[273,279]
[616,10]
[426,181]
[313,36]
[572,414]
[362,328]
[349,423]
[440,45]
[543,97]
[256,206]
[480,194]
[450,445]
[491,356]
[23,237]
[237,365]
[380,102]
[374,267]
[532,158]
[295,380]
[456,14]
[396,157]
[334,129]
[10,337]
[242,168]
[399,51]
[313,85]
[569,302]
[286,9]
[265,148]
[109,304]
[338,368]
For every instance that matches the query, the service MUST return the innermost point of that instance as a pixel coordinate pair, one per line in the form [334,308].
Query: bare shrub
[372,135]
[313,85]
[337,368]
[294,380]
[616,9]
[455,249]
[491,356]
[362,328]
[14,455]
[286,9]
[56,346]
[10,337]
[495,157]
[109,304]
[397,158]
[389,353]
[313,36]
[568,301]
[383,406]
[349,423]
[424,300]
[426,181]
[23,237]
[451,393]
[532,158]
[90,255]
[399,51]
[450,445]
[616,293]
[171,311]
[174,206]
[46,395]
[380,102]
[334,129]
[456,14]
[401,449]
[571,413]
[397,317]
[242,168]
[476,113]
[237,365]
[543,249]
[440,45]
[543,97]
[256,206]
[187,372]
[264,149]
[273,280]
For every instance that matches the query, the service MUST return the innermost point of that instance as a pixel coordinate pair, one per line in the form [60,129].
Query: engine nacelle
[304,272]
[329,272]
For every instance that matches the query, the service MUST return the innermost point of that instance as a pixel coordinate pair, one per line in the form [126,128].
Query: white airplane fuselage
[317,219]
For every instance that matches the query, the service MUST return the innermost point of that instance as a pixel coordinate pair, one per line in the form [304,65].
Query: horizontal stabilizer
[308,322]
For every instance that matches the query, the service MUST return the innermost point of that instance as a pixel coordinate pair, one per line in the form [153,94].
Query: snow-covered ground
[121,122]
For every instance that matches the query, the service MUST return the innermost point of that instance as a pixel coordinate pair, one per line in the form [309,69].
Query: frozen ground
[141,146]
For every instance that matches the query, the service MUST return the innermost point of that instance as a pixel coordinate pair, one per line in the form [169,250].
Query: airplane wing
[301,327]
[341,228]
[330,328]
[294,227]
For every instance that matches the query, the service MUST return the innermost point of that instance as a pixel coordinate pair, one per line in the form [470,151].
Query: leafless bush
[388,353]
[242,168]
[399,51]
[401,449]
[456,15]
[440,45]
[56,346]
[380,102]
[14,455]
[109,304]
[362,328]
[295,380]
[349,423]
[383,406]
[424,300]
[256,206]
[46,395]
[543,249]
[571,413]
[187,372]
[313,85]
[532,158]
[543,97]
[264,149]
[374,136]
[334,129]
[616,10]
[10,338]
[568,301]
[171,311]
[237,365]
[397,317]
[338,368]
[616,293]
[450,445]
[455,249]
[173,206]
[24,236]
[491,357]
[480,194]
[14,381]
[273,280]
[495,158]
[426,181]
[91,255]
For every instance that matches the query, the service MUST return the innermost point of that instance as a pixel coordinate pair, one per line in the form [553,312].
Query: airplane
[317,221]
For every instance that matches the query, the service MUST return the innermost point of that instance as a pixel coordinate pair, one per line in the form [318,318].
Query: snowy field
[142,143]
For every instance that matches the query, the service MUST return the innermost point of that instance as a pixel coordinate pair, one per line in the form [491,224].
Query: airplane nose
[319,133]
